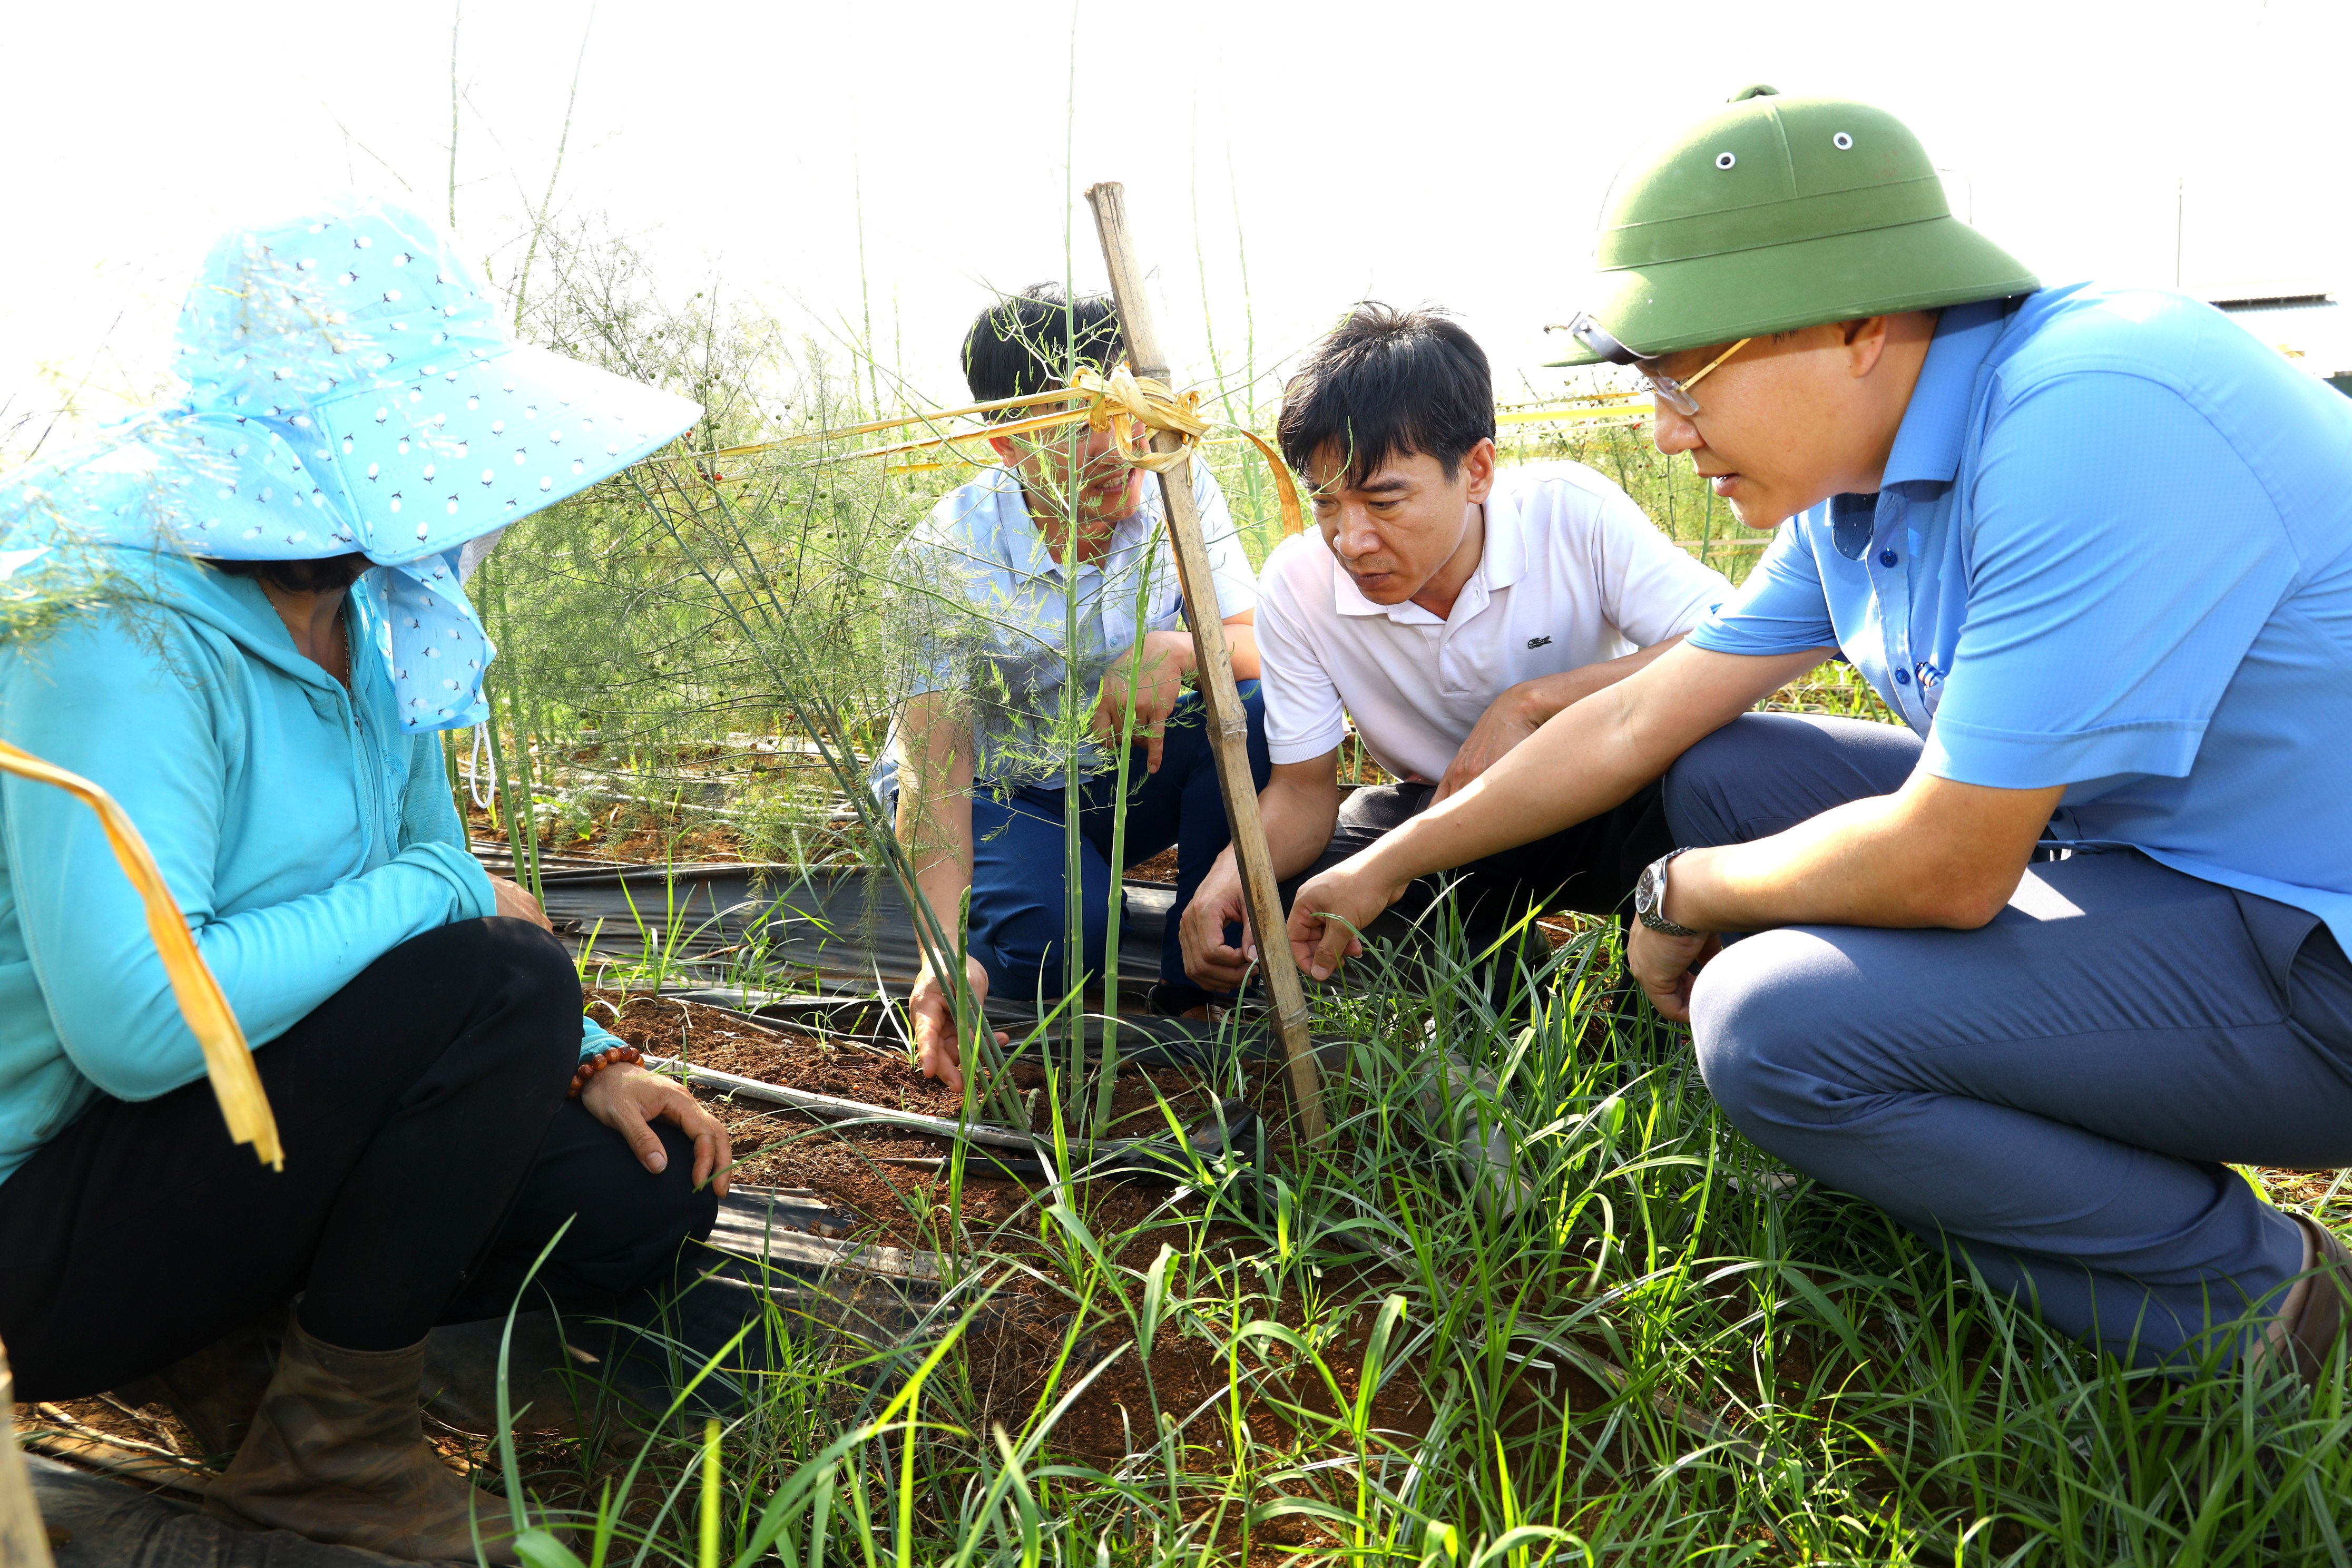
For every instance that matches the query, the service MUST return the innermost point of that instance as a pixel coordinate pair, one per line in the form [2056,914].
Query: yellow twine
[1628,411]
[227,1062]
[1122,402]
[1125,405]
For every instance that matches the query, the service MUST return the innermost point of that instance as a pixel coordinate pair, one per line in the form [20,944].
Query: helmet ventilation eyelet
[1725,160]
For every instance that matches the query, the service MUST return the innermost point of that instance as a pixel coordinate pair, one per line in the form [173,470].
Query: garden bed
[999,1225]
[848,1165]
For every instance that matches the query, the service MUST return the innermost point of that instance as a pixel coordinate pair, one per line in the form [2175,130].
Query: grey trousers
[2054,1094]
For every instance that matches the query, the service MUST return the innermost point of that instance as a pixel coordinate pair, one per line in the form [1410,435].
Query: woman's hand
[520,905]
[1667,965]
[1329,911]
[627,1098]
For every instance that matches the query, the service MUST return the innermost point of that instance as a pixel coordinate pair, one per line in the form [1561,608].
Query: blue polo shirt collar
[1928,443]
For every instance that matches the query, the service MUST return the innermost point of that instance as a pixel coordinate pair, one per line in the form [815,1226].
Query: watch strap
[1654,878]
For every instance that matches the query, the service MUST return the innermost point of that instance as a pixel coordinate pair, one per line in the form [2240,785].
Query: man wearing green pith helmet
[2030,971]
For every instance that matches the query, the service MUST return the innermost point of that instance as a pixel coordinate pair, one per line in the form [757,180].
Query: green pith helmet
[1780,212]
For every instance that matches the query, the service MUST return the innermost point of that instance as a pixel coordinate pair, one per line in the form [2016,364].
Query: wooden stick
[23,1539]
[1213,669]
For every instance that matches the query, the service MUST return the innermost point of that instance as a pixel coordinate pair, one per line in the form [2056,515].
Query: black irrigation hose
[1230,1128]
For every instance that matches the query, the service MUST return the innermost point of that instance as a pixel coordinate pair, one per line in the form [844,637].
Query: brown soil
[881,1074]
[1012,1351]
[1161,868]
[682,838]
[904,1206]
[137,1429]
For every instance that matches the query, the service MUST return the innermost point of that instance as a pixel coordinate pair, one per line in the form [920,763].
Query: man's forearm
[1241,642]
[936,828]
[934,819]
[1933,853]
[1298,824]
[1584,760]
[1298,820]
[1547,696]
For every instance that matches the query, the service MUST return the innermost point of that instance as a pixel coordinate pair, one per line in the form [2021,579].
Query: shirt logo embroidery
[1538,642]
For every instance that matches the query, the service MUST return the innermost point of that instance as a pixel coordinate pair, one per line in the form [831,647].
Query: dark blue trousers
[1019,908]
[2058,1095]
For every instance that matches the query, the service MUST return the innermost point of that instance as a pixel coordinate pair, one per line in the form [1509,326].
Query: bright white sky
[1452,151]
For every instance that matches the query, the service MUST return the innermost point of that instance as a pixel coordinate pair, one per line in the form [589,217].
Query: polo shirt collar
[1023,548]
[1928,443]
[1503,553]
[1934,424]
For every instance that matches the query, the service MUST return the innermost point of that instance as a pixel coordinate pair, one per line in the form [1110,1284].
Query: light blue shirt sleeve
[2125,558]
[97,701]
[943,567]
[1780,608]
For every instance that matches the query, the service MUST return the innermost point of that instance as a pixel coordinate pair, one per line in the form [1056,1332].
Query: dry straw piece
[227,1062]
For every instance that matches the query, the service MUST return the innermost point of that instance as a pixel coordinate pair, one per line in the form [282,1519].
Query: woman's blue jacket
[302,835]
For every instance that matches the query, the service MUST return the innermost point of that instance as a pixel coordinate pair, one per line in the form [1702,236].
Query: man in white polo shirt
[1450,606]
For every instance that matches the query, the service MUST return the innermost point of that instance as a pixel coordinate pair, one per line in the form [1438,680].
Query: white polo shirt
[1573,572]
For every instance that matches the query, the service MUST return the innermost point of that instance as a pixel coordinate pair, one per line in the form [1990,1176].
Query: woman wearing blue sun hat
[290,537]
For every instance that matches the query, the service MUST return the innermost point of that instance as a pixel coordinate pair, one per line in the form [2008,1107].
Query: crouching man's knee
[1763,1017]
[1022,950]
[1703,790]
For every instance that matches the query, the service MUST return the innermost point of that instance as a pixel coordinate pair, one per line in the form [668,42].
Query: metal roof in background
[2313,329]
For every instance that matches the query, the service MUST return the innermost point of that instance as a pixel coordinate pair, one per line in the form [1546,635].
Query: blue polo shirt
[2113,551]
[986,610]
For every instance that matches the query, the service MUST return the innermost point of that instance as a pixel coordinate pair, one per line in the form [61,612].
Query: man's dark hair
[1022,343]
[1388,383]
[312,576]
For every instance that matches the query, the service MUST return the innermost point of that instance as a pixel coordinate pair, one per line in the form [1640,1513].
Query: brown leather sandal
[2326,1306]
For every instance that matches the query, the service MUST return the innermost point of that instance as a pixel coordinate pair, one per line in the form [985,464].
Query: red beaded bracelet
[590,1065]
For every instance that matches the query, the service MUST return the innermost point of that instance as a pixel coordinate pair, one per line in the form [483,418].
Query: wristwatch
[1650,897]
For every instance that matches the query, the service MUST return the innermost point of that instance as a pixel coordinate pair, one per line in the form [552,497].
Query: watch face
[1645,891]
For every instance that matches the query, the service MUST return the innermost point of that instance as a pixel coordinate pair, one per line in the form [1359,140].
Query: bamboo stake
[23,1539]
[1214,668]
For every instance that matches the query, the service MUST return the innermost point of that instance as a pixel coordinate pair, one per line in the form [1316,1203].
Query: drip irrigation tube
[1208,1138]
[832,1108]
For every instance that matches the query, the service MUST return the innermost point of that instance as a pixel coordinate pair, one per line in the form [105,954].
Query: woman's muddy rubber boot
[338,1453]
[215,1392]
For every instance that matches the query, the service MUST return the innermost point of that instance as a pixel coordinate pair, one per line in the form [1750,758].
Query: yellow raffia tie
[227,1062]
[1126,405]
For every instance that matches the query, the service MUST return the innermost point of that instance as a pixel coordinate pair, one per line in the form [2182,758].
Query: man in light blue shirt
[1042,597]
[2030,972]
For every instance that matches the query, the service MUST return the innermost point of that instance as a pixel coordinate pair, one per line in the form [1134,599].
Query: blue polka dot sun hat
[349,388]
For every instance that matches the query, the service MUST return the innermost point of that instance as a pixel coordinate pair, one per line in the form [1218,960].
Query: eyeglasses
[1675,394]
